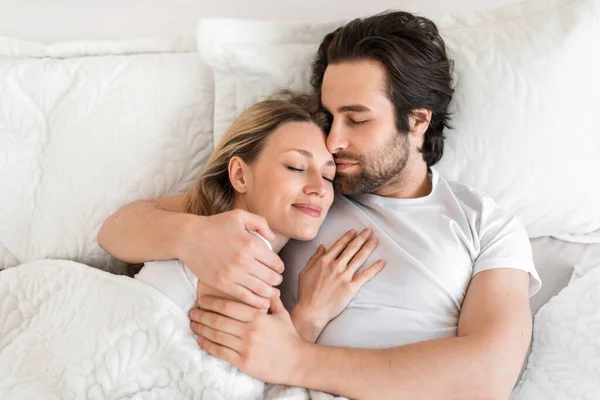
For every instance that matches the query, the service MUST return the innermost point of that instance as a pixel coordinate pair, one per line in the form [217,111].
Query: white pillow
[525,109]
[88,127]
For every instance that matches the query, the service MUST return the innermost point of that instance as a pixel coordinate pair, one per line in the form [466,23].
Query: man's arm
[483,362]
[218,249]
[144,230]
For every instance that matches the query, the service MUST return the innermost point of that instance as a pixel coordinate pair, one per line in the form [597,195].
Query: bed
[82,133]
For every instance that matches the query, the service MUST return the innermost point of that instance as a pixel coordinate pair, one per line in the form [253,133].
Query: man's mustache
[346,157]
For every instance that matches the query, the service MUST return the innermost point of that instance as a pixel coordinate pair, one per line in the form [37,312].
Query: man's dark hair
[418,70]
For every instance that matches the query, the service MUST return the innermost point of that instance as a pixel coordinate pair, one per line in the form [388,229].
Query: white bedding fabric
[88,127]
[70,331]
[565,358]
[520,70]
[555,261]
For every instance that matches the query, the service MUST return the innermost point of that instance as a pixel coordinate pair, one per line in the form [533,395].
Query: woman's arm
[329,281]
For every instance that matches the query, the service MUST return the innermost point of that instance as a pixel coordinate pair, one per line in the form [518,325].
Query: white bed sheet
[554,260]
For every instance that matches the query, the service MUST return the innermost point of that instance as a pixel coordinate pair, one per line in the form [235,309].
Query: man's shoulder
[477,205]
[468,196]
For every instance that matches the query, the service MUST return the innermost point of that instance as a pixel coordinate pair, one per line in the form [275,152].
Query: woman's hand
[329,281]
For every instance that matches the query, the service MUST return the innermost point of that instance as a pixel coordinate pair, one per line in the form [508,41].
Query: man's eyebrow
[310,155]
[353,108]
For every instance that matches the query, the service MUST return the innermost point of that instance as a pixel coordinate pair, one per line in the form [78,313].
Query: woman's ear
[238,174]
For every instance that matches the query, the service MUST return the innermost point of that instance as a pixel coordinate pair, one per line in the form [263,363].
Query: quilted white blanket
[565,359]
[70,331]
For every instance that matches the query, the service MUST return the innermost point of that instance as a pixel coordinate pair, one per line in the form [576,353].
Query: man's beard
[378,168]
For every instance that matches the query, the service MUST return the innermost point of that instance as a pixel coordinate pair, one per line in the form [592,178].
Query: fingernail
[266,304]
[277,293]
[352,232]
[200,300]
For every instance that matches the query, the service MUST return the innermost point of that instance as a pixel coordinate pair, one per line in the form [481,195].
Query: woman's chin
[306,233]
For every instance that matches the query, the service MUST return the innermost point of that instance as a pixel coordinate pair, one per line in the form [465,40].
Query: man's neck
[412,183]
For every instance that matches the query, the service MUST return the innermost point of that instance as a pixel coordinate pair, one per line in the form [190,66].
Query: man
[447,318]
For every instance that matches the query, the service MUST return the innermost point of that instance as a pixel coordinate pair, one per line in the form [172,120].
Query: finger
[265,274]
[320,251]
[229,308]
[354,246]
[253,222]
[339,246]
[222,352]
[248,297]
[359,259]
[277,307]
[219,337]
[200,318]
[364,276]
[270,259]
[259,287]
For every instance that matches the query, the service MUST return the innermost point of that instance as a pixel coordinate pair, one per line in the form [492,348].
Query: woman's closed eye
[294,169]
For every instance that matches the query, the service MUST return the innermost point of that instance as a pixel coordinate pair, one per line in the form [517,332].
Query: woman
[272,162]
[108,336]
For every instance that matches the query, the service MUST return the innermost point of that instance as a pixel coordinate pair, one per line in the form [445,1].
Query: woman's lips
[308,209]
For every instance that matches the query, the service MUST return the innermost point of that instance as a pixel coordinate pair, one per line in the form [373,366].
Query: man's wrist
[308,324]
[181,227]
[304,358]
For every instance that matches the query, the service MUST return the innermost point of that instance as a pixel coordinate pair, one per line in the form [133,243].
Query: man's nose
[336,139]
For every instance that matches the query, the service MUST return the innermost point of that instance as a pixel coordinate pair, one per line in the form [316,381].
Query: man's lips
[342,164]
[309,209]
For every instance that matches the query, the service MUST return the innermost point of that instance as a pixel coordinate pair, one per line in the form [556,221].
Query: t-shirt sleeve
[504,243]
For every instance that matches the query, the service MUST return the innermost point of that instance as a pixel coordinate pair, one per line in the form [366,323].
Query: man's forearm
[459,368]
[142,231]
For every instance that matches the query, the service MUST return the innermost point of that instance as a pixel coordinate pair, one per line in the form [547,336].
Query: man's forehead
[352,84]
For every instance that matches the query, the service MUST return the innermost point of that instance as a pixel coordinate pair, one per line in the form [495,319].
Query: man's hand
[218,249]
[265,346]
[221,252]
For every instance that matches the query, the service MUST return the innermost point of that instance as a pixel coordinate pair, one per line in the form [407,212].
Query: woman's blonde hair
[245,138]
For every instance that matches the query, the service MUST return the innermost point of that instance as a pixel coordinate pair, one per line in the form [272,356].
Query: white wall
[56,20]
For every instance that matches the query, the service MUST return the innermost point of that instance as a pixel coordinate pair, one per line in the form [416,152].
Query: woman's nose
[316,185]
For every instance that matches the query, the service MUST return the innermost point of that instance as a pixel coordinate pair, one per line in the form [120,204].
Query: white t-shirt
[432,246]
[174,279]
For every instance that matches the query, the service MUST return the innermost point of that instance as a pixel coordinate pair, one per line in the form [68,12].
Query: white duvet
[565,358]
[69,331]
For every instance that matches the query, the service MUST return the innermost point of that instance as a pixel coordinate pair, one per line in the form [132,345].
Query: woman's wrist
[309,325]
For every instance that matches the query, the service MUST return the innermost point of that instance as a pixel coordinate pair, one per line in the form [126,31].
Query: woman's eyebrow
[310,155]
